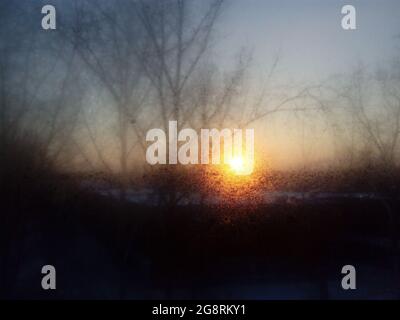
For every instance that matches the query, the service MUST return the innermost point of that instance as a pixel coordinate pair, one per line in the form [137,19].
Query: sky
[308,34]
[312,46]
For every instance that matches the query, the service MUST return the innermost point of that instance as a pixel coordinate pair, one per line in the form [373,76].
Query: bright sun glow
[238,166]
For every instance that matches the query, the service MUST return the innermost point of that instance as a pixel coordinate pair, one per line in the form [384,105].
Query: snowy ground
[150,197]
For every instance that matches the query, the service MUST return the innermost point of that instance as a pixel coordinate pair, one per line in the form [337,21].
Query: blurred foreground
[108,248]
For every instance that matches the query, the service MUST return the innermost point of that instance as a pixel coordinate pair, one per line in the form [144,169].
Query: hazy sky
[308,33]
[312,45]
[308,36]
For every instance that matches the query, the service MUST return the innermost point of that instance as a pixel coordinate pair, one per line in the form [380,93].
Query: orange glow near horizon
[239,166]
[237,183]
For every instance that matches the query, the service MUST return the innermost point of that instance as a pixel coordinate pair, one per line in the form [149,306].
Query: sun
[239,166]
[236,164]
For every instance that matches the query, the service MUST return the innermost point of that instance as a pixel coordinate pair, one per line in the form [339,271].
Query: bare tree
[107,40]
[363,109]
[180,34]
[38,112]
